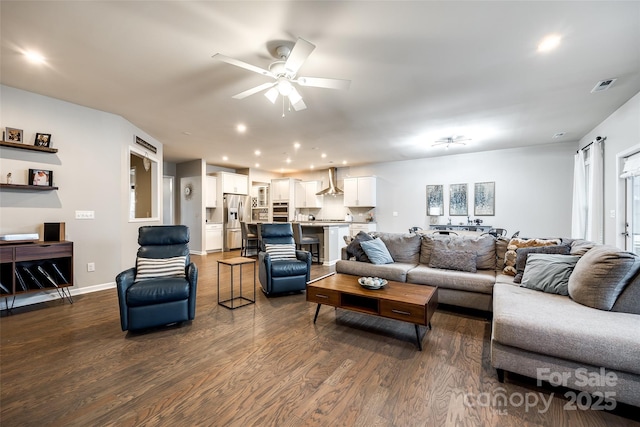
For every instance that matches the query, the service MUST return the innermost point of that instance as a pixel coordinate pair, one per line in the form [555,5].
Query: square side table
[239,300]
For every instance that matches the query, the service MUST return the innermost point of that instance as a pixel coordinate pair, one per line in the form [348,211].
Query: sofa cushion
[557,326]
[581,246]
[516,243]
[522,255]
[402,247]
[150,268]
[281,251]
[481,281]
[501,249]
[355,249]
[549,272]
[376,251]
[157,291]
[453,260]
[601,275]
[396,271]
[483,246]
[629,299]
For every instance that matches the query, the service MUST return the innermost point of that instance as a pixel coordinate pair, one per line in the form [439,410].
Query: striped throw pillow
[281,251]
[151,268]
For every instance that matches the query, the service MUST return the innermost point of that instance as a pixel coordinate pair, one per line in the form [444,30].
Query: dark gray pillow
[549,272]
[454,260]
[522,253]
[354,249]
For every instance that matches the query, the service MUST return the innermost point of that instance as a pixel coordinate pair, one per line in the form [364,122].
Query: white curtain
[595,200]
[579,209]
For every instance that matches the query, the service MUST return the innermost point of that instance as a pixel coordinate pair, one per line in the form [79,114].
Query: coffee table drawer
[407,312]
[323,296]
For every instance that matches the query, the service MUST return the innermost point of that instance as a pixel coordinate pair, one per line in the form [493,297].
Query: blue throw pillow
[376,251]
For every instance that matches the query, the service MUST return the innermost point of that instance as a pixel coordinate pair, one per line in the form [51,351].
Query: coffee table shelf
[400,301]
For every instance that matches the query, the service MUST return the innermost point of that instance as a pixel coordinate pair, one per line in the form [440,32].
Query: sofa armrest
[123,281]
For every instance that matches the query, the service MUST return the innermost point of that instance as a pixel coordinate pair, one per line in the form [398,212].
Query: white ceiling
[420,70]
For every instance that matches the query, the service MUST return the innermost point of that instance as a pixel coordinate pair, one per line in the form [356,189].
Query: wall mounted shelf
[27,187]
[27,147]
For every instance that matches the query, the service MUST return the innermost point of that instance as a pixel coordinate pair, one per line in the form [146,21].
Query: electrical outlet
[91,266]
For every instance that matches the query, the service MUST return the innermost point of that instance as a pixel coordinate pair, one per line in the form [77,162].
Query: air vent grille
[603,85]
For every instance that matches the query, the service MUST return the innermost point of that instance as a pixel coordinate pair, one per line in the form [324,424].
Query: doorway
[168,207]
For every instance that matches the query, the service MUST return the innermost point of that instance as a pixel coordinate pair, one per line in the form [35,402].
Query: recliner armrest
[123,281]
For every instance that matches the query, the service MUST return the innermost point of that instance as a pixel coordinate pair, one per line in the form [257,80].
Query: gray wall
[91,171]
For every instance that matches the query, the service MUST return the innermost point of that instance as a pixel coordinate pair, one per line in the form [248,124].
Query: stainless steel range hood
[333,189]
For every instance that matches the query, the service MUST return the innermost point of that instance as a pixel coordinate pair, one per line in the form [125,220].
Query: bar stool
[249,239]
[302,240]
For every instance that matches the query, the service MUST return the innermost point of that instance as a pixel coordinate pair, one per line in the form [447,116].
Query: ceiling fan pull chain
[283,107]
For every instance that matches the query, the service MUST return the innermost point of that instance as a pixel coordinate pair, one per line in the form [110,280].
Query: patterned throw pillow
[454,260]
[516,243]
[281,251]
[151,268]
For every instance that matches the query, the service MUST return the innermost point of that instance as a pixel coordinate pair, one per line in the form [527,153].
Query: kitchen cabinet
[213,237]
[211,192]
[360,191]
[306,194]
[233,183]
[283,190]
[368,227]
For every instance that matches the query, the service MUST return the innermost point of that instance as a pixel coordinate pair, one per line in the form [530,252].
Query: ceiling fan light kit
[451,140]
[284,71]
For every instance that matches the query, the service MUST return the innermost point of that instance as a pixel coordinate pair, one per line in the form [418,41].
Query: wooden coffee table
[401,301]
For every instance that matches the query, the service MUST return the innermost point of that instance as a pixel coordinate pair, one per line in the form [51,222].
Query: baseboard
[192,252]
[50,295]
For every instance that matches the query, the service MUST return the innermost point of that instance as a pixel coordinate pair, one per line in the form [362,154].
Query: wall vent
[559,135]
[603,85]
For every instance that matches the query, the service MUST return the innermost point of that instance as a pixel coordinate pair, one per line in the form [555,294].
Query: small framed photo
[43,140]
[41,177]
[13,135]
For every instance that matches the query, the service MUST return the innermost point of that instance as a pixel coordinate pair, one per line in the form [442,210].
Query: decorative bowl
[372,282]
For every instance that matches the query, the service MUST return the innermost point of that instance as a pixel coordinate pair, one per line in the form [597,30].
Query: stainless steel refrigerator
[237,209]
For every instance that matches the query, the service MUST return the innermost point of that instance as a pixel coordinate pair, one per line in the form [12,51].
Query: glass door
[632,224]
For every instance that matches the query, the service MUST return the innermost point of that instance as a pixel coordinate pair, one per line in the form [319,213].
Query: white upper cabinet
[234,183]
[283,190]
[360,191]
[211,192]
[306,194]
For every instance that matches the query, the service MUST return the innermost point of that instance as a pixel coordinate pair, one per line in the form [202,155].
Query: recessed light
[323,155]
[344,162]
[34,57]
[296,145]
[225,158]
[257,165]
[311,167]
[241,128]
[288,160]
[549,43]
[257,152]
[186,133]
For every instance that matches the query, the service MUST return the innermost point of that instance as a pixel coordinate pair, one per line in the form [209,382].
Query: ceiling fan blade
[300,105]
[241,64]
[324,82]
[272,94]
[256,89]
[300,52]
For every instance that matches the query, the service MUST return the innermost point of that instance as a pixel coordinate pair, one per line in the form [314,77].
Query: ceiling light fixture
[225,158]
[451,140]
[241,128]
[257,152]
[323,155]
[257,165]
[296,145]
[34,57]
[549,43]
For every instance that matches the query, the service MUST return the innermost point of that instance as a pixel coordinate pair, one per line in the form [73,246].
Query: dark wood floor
[265,365]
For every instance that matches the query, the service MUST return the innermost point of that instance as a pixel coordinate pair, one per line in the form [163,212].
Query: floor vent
[603,85]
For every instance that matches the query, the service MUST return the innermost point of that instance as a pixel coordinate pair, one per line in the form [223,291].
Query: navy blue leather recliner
[157,301]
[283,275]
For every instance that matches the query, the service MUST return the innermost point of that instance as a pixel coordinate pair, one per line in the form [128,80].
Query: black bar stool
[302,240]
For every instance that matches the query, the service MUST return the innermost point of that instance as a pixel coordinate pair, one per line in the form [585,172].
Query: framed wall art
[484,197]
[435,200]
[41,177]
[13,135]
[458,200]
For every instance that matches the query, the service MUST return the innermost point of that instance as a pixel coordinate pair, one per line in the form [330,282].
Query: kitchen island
[331,235]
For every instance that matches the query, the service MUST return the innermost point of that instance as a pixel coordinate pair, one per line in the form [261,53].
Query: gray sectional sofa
[589,339]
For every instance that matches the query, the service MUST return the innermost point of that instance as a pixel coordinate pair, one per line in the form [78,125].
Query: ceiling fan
[455,139]
[284,72]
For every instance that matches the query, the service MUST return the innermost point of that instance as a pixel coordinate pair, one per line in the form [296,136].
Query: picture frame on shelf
[42,140]
[435,200]
[484,197]
[41,177]
[458,200]
[13,135]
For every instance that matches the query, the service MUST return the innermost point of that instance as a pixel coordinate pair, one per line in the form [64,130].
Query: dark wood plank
[264,364]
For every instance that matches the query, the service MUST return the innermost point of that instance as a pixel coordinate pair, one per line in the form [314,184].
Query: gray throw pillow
[454,260]
[355,249]
[601,275]
[522,254]
[377,251]
[549,272]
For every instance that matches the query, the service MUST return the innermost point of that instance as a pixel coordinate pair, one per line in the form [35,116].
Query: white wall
[91,171]
[622,130]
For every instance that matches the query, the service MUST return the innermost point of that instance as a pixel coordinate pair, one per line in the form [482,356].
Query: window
[631,176]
